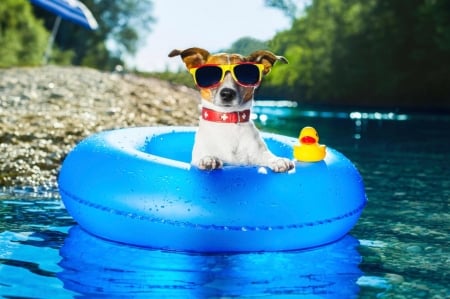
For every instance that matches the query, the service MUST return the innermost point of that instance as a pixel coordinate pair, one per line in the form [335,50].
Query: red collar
[226,117]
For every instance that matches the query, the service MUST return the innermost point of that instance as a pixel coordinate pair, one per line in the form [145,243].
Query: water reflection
[288,118]
[94,267]
[378,116]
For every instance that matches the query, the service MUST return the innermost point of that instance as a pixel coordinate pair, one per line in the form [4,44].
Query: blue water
[398,249]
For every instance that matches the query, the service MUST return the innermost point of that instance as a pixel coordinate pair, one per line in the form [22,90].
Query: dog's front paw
[281,165]
[210,163]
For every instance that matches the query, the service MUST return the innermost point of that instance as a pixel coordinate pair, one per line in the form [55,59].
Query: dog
[226,134]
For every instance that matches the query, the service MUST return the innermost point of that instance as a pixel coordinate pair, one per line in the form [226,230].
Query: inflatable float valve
[309,149]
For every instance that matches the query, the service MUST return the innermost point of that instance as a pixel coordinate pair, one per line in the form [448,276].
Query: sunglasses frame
[228,68]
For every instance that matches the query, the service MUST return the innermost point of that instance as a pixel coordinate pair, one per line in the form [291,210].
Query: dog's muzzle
[227,94]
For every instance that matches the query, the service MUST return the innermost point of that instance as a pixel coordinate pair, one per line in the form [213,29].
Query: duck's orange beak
[308,140]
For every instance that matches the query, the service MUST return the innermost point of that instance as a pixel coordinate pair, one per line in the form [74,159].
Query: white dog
[226,133]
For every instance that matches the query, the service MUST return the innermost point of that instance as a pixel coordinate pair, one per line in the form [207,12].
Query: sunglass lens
[207,76]
[247,74]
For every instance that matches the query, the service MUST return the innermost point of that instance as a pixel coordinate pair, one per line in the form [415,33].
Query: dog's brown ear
[192,57]
[266,58]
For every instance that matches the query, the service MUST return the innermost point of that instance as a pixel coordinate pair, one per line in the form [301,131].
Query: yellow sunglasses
[210,75]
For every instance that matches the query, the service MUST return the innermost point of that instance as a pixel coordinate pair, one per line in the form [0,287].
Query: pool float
[137,186]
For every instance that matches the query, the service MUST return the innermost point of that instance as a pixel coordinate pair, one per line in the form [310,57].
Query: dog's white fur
[240,143]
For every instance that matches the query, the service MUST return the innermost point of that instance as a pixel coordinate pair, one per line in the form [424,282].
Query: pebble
[45,111]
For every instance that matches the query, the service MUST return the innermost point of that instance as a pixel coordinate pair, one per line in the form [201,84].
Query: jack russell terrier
[226,133]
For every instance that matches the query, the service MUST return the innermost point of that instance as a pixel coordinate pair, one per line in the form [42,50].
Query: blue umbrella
[71,10]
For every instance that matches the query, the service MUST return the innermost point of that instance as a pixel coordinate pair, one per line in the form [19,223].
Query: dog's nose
[228,94]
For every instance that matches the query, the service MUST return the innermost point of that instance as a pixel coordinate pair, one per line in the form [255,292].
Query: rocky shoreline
[45,111]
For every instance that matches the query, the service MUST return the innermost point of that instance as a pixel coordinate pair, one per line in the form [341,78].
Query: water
[398,249]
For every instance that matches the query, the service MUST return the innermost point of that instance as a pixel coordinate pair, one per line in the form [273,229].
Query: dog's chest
[230,142]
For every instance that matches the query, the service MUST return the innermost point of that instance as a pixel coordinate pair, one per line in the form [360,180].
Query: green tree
[122,26]
[308,45]
[246,45]
[291,8]
[371,52]
[22,38]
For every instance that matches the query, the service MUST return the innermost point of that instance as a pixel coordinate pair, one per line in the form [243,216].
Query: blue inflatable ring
[136,186]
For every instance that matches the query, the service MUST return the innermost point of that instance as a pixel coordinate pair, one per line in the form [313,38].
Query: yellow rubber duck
[309,149]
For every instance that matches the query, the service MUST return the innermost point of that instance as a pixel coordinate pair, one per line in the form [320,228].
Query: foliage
[246,45]
[22,38]
[62,57]
[291,8]
[370,52]
[122,24]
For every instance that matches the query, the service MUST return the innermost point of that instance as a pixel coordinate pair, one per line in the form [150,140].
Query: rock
[45,111]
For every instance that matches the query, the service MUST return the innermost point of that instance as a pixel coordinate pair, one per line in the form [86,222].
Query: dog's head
[231,91]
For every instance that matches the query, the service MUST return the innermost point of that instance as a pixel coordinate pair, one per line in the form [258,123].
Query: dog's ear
[192,57]
[266,58]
